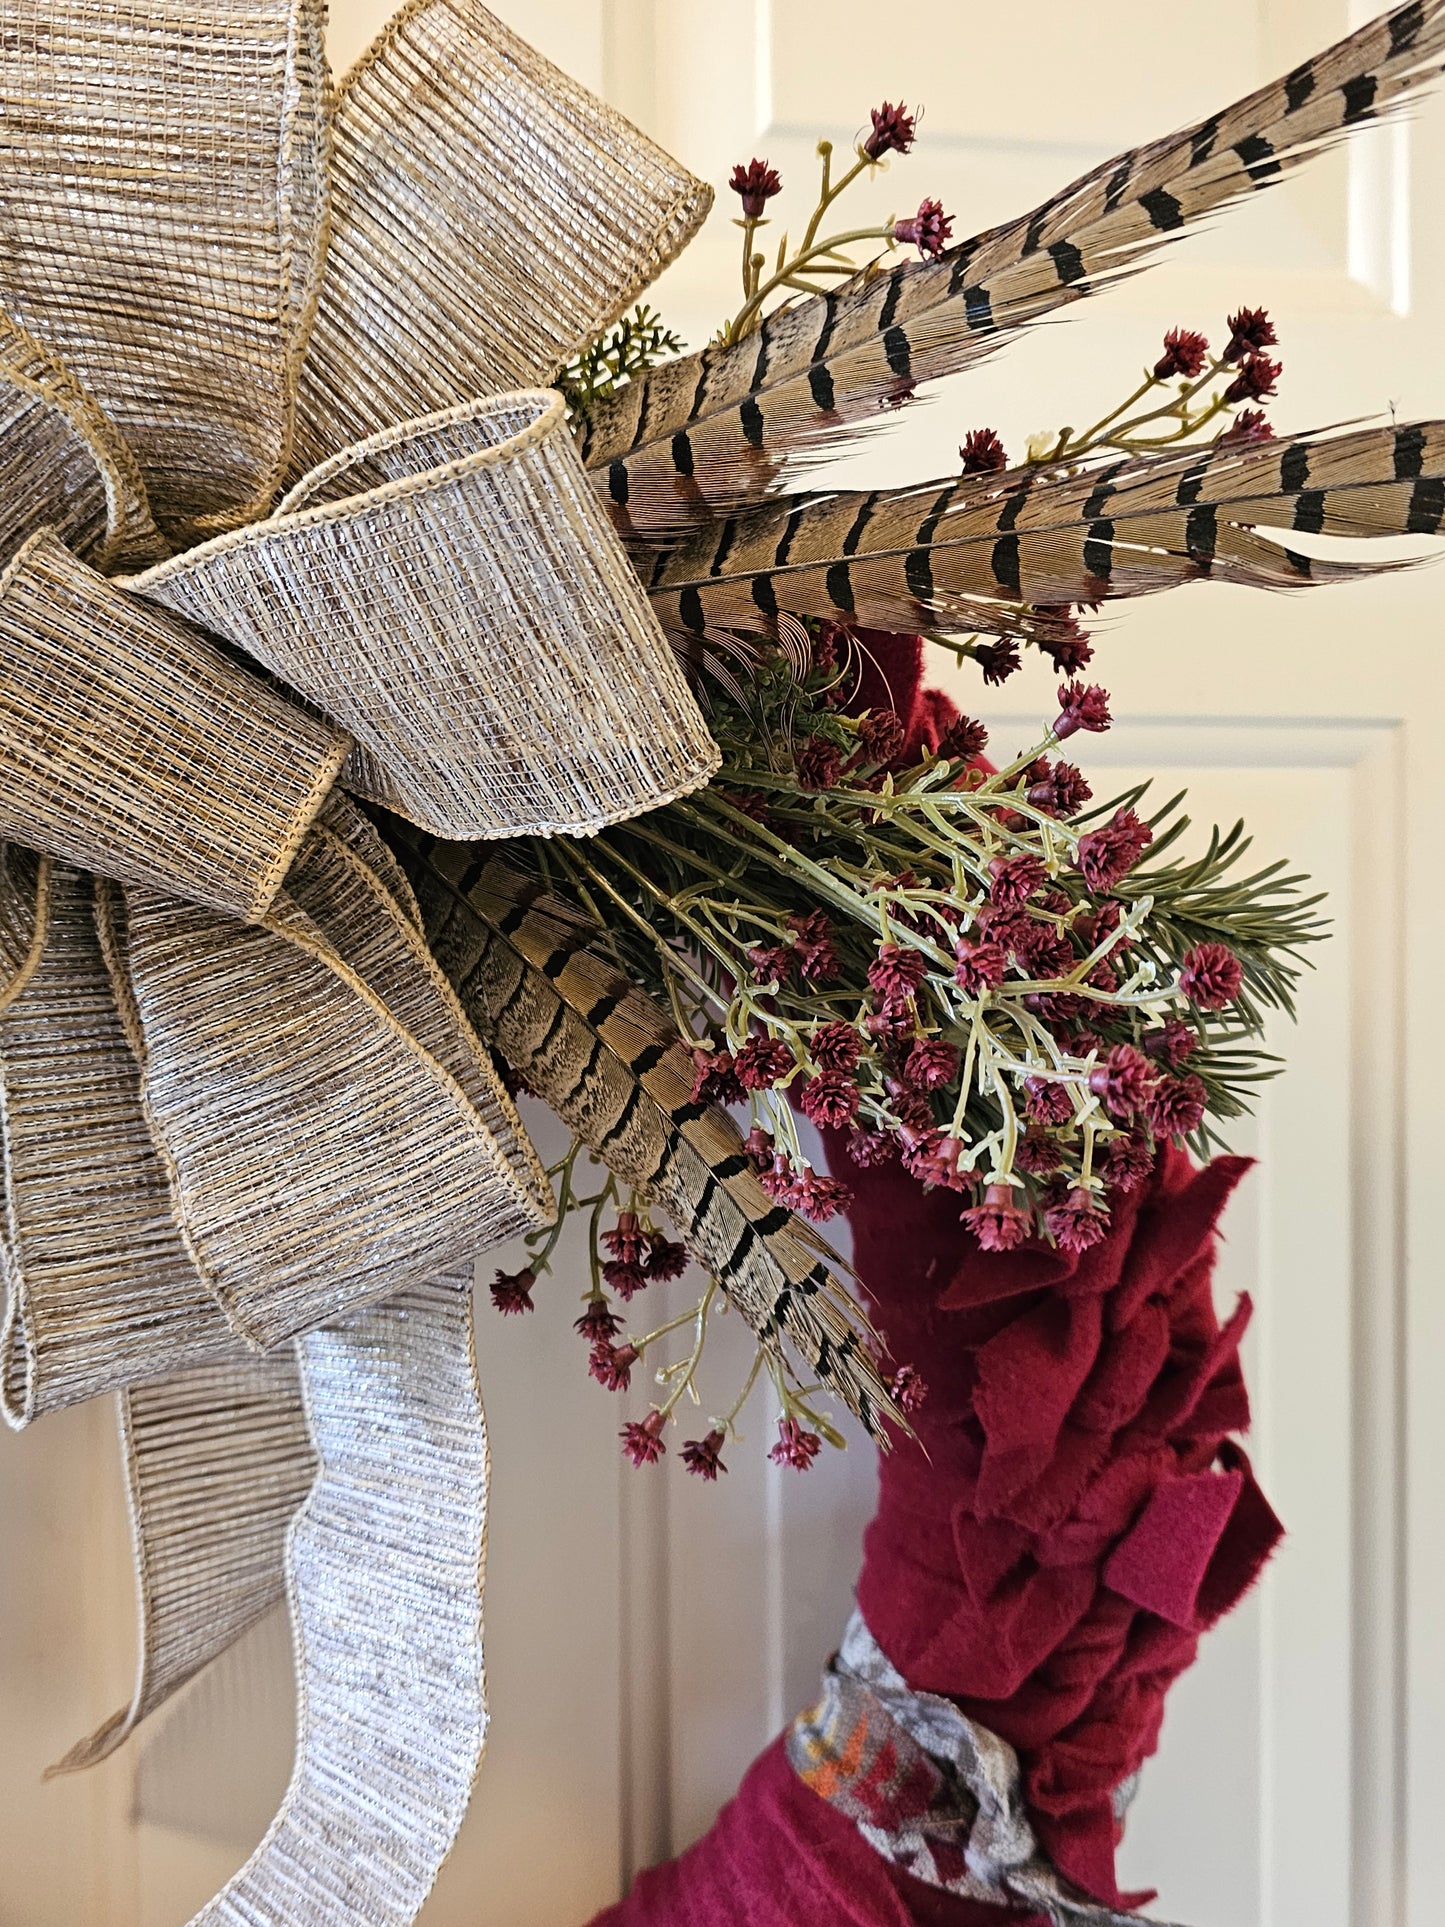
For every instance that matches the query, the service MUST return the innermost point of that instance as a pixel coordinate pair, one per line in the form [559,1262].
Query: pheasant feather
[971,554]
[600,1052]
[708,434]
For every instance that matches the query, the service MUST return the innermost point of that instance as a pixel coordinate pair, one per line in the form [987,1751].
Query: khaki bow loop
[289,513]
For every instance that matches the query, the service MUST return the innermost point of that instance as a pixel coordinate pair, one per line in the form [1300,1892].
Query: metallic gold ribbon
[489,216]
[135,747]
[63,463]
[330,1125]
[101,1292]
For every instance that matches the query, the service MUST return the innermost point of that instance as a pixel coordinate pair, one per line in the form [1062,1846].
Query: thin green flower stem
[806,287]
[690,1364]
[961,648]
[1086,1166]
[768,850]
[540,1260]
[782,856]
[1135,444]
[965,1082]
[681,1018]
[671,902]
[993,785]
[974,803]
[1126,435]
[1149,382]
[673,1324]
[564,1164]
[749,227]
[775,1021]
[580,879]
[1070,445]
[831,190]
[728,1424]
[1002,1092]
[1181,398]
[719,913]
[594,1256]
[777,1370]
[943,843]
[744,321]
[796,1406]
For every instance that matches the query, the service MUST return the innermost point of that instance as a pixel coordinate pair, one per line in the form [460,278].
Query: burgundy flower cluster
[1046,934]
[639,1255]
[1253,375]
[755,184]
[928,230]
[643,1444]
[950,972]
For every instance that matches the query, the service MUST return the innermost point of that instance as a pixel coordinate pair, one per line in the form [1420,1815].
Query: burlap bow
[286,511]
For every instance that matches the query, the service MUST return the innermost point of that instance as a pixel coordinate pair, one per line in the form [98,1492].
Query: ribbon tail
[217,1460]
[383,1566]
[100,1290]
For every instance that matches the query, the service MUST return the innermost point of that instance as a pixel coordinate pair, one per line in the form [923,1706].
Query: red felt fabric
[1072,1514]
[778,1856]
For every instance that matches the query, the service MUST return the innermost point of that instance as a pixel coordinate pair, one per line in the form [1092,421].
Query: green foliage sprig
[637,342]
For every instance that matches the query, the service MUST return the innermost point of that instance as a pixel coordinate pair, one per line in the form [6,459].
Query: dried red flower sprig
[627,1256]
[1185,353]
[755,185]
[512,1290]
[975,974]
[894,131]
[928,230]
[819,260]
[982,453]
[796,1446]
[642,1440]
[1159,415]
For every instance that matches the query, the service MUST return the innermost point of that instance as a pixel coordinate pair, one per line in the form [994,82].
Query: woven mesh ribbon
[331,1128]
[454,595]
[62,462]
[488,217]
[136,748]
[383,1569]
[101,1292]
[209,219]
[217,1459]
[248,1132]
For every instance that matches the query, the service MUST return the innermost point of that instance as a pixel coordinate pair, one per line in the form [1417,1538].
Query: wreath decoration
[420,680]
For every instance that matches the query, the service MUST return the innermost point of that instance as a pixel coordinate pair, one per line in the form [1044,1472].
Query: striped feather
[599,1051]
[970,555]
[713,432]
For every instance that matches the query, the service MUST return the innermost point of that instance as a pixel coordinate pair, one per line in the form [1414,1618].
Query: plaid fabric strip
[931,1790]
